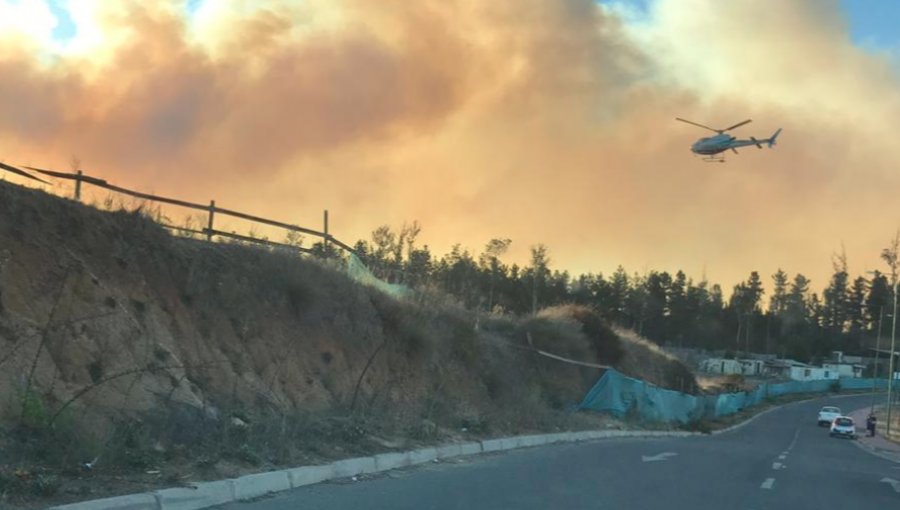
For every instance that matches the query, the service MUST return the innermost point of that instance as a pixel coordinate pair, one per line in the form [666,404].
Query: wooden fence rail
[80,178]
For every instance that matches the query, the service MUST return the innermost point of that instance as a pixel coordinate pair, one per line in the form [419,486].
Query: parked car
[843,426]
[827,415]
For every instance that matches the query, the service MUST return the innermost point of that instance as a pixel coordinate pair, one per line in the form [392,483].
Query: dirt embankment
[139,352]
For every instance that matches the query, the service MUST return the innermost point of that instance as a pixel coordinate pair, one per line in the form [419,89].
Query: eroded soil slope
[123,345]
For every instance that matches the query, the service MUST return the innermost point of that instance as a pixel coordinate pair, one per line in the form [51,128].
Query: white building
[813,374]
[732,366]
[845,369]
[783,367]
[752,366]
[721,366]
[840,357]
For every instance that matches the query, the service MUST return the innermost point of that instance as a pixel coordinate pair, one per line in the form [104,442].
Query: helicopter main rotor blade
[699,125]
[739,124]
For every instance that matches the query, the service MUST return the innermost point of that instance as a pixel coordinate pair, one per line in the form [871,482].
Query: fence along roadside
[356,269]
[211,209]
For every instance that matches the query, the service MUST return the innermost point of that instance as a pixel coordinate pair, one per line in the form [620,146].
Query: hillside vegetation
[129,348]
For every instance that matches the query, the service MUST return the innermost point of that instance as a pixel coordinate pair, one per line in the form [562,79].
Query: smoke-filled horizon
[540,121]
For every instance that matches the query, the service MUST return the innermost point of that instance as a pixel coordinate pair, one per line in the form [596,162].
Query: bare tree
[890,256]
[410,233]
[294,238]
[384,240]
[839,260]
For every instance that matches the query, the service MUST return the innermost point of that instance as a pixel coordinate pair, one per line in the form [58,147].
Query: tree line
[792,321]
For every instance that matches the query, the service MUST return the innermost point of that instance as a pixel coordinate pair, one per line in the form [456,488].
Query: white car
[827,415]
[843,426]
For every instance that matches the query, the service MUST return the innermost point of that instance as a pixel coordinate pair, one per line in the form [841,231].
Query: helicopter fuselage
[713,144]
[721,142]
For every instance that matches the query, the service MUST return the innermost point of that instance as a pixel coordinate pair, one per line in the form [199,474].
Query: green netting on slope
[618,394]
[359,272]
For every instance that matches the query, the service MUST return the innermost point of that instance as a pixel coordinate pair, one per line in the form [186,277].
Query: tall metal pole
[891,364]
[877,348]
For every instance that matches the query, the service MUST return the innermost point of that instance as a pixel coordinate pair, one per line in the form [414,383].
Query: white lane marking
[782,457]
[894,483]
[777,465]
[793,442]
[768,483]
[657,458]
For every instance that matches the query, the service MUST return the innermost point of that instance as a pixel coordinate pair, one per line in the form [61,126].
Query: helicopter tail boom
[771,140]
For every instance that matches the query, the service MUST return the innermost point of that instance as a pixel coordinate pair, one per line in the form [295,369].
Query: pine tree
[835,309]
[778,303]
[856,313]
[878,301]
[540,262]
[493,250]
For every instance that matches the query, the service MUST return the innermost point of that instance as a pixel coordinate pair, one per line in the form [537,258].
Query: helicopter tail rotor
[773,137]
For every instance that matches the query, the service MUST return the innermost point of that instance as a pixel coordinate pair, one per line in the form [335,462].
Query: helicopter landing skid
[713,159]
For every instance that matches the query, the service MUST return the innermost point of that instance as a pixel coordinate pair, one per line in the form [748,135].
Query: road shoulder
[877,445]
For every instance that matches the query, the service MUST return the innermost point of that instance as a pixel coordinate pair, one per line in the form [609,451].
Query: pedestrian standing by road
[870,425]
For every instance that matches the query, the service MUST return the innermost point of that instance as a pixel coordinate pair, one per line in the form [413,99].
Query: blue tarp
[620,395]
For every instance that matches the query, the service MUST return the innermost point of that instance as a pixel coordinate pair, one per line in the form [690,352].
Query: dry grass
[645,360]
[239,358]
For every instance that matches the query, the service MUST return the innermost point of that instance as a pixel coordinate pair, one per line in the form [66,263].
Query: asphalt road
[781,460]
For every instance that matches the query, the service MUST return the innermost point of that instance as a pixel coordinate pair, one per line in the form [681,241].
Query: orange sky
[537,120]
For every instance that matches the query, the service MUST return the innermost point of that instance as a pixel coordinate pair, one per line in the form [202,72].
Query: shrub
[701,425]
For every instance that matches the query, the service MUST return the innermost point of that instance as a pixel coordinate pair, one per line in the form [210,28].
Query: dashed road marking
[768,484]
[782,456]
[794,441]
[777,465]
[659,457]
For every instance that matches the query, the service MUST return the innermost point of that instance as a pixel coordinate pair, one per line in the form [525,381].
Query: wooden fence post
[325,243]
[78,185]
[209,226]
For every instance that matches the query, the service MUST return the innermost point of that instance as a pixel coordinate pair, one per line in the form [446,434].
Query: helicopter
[711,146]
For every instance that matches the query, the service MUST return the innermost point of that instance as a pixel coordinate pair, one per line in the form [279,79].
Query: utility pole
[891,255]
[749,321]
[877,348]
[891,364]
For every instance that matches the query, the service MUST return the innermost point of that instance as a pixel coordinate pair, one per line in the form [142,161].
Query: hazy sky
[539,120]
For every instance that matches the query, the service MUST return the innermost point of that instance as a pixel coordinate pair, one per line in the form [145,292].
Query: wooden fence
[211,209]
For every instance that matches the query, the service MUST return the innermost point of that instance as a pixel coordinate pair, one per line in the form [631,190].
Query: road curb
[864,445]
[886,456]
[208,494]
[757,415]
